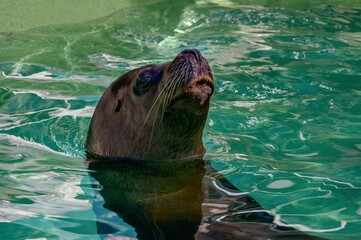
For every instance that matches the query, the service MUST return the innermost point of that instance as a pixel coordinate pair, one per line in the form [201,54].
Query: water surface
[284,124]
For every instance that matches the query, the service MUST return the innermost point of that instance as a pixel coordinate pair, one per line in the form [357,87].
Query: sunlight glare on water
[284,123]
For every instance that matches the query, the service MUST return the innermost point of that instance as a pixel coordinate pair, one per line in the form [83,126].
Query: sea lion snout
[190,64]
[195,52]
[193,77]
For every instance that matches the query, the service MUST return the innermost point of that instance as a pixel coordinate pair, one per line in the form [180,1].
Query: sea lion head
[154,112]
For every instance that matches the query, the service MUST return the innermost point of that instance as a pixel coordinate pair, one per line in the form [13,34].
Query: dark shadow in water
[182,199]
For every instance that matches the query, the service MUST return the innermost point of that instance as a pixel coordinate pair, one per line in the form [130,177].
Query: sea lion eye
[145,80]
[148,78]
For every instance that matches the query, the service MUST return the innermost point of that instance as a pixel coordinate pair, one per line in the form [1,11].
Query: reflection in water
[183,199]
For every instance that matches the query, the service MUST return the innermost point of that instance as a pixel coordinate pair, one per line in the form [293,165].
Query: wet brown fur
[143,127]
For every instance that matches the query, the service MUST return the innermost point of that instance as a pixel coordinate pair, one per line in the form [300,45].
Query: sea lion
[154,112]
[145,149]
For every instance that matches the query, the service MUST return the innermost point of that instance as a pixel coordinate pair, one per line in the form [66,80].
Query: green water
[284,125]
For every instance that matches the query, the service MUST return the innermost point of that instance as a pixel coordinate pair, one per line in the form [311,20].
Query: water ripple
[284,125]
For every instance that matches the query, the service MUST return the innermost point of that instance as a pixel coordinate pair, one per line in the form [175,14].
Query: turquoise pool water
[284,125]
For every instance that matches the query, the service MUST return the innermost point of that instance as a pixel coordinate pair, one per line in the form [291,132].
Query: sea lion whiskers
[177,78]
[173,88]
[178,81]
[168,91]
[151,108]
[154,121]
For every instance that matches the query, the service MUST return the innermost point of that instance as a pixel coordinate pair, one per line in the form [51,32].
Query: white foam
[129,62]
[44,75]
[243,104]
[326,179]
[280,184]
[304,228]
[229,193]
[83,112]
[302,155]
[18,141]
[45,94]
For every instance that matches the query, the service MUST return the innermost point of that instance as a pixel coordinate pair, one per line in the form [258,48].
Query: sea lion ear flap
[118,105]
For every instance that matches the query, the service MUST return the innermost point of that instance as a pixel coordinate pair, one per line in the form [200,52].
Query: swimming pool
[284,124]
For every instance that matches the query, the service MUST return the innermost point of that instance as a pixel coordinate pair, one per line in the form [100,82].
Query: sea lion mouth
[198,90]
[201,88]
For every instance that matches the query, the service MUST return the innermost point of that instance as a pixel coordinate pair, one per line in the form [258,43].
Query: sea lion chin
[154,112]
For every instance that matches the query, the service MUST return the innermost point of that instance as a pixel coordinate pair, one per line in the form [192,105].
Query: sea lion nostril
[195,52]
